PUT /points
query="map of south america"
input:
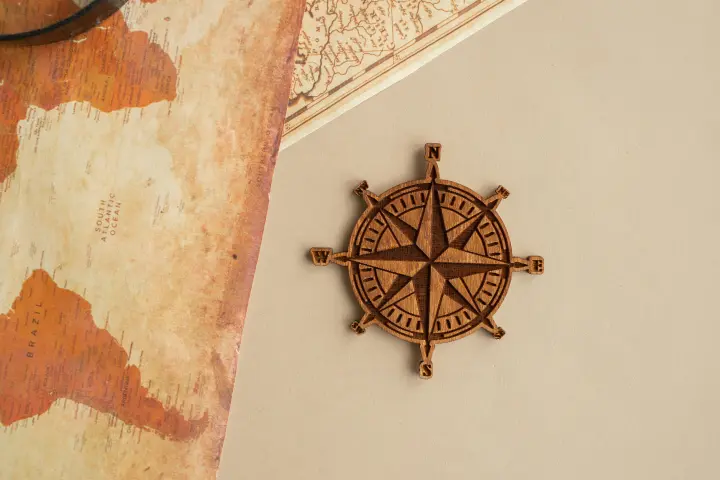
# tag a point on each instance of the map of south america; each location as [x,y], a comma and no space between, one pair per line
[51,348]
[136,161]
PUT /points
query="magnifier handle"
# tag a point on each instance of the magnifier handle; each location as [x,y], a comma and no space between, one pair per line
[81,21]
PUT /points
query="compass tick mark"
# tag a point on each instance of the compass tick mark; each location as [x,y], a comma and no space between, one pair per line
[426,261]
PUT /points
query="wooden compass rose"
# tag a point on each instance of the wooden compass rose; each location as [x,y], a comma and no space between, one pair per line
[429,261]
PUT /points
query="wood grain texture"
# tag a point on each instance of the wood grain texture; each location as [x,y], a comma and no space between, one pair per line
[430,261]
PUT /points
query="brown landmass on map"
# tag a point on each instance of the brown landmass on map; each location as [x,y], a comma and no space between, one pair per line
[110,67]
[51,348]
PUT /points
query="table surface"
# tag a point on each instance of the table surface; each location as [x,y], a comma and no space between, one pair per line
[602,120]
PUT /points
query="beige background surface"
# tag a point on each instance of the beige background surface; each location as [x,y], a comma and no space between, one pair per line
[602,119]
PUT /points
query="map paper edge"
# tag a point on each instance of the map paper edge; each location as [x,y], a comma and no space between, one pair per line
[376,86]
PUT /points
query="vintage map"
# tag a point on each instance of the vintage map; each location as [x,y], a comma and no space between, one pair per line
[349,50]
[135,168]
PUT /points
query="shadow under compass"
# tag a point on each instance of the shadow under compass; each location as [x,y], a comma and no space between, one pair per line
[358,207]
[420,164]
[346,229]
[413,358]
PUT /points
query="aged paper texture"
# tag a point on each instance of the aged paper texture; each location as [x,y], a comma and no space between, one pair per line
[135,168]
[350,50]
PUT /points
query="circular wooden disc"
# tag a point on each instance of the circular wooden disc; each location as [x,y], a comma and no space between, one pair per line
[431,261]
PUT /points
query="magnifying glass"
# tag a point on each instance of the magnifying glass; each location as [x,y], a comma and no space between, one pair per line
[36,22]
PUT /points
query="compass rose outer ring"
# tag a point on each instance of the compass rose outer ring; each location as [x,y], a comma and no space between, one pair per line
[370,309]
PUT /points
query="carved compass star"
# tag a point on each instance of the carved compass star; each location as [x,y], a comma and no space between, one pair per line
[430,261]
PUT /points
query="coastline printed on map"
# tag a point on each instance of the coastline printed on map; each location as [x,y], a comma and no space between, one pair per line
[135,168]
[349,51]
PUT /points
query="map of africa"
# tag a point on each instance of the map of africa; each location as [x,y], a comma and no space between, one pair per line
[135,168]
[349,50]
[106,60]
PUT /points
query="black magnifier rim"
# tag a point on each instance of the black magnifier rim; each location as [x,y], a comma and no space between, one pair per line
[81,21]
